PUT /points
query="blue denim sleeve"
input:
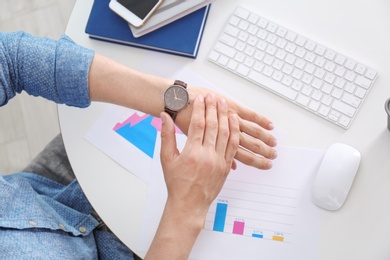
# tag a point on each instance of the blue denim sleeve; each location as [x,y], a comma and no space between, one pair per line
[55,70]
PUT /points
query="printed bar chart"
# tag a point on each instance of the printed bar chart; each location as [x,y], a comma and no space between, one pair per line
[256,211]
[220,217]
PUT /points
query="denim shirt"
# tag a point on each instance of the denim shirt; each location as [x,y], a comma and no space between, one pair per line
[40,218]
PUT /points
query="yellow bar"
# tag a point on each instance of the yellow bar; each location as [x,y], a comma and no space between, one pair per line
[278,238]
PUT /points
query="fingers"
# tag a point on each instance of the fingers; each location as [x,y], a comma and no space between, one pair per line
[234,141]
[251,116]
[197,124]
[257,146]
[168,138]
[223,127]
[252,159]
[212,125]
[254,130]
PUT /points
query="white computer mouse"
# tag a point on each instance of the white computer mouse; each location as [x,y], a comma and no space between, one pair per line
[335,176]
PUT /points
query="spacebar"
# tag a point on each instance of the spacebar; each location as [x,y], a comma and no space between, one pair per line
[272,85]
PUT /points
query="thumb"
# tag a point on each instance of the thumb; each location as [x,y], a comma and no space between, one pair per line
[168,138]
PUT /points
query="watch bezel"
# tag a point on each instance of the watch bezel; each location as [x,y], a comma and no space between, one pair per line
[166,98]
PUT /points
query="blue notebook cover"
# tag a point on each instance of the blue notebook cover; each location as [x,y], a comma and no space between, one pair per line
[181,37]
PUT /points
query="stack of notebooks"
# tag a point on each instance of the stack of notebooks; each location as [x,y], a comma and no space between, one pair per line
[180,37]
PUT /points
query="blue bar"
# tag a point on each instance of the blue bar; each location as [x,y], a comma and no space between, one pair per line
[257,235]
[220,217]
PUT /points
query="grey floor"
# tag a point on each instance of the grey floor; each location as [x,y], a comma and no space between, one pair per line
[28,123]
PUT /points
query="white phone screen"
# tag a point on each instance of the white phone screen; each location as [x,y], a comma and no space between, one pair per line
[140,8]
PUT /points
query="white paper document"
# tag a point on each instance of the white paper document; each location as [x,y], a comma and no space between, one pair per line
[257,215]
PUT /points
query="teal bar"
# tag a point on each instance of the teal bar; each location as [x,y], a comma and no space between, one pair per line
[220,217]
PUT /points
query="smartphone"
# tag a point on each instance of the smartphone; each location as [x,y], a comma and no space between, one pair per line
[135,12]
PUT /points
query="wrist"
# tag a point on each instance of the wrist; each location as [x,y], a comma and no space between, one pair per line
[187,214]
[170,242]
[184,116]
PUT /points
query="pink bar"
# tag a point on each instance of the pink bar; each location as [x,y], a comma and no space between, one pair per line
[238,227]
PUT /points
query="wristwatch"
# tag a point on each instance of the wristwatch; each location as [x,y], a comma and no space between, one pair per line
[176,98]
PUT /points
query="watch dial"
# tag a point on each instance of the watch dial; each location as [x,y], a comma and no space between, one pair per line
[176,98]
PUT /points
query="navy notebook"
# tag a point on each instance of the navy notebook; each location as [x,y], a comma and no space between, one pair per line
[181,37]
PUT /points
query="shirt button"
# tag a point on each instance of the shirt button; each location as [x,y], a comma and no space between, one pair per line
[32,223]
[82,229]
[61,226]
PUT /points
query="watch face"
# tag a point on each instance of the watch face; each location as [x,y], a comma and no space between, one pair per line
[176,98]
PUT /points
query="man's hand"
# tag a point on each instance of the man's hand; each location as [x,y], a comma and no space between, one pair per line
[256,142]
[208,155]
[195,176]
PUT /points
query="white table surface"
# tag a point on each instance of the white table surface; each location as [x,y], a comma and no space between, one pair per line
[359,29]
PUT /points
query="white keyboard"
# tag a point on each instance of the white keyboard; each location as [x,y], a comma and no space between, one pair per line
[300,70]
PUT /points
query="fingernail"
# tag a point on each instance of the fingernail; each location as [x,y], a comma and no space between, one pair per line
[162,116]
[271,126]
[275,155]
[269,165]
[274,143]
[201,98]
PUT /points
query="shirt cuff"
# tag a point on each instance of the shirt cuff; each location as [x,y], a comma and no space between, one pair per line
[72,68]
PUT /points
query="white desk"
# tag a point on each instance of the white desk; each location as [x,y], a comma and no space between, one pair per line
[359,29]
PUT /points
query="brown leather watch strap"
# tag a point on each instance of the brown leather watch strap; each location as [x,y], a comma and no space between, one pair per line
[180,83]
[173,114]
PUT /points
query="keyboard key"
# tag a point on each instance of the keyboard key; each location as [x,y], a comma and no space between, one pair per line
[214,55]
[340,59]
[360,69]
[243,70]
[351,100]
[291,36]
[324,110]
[253,18]
[360,93]
[329,54]
[224,49]
[350,64]
[242,13]
[262,23]
[234,20]
[229,40]
[232,65]
[343,108]
[344,121]
[320,50]
[310,45]
[334,115]
[363,82]
[223,60]
[371,74]
[231,30]
[303,100]
[314,105]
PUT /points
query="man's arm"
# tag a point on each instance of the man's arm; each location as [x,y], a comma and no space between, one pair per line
[67,73]
[112,82]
